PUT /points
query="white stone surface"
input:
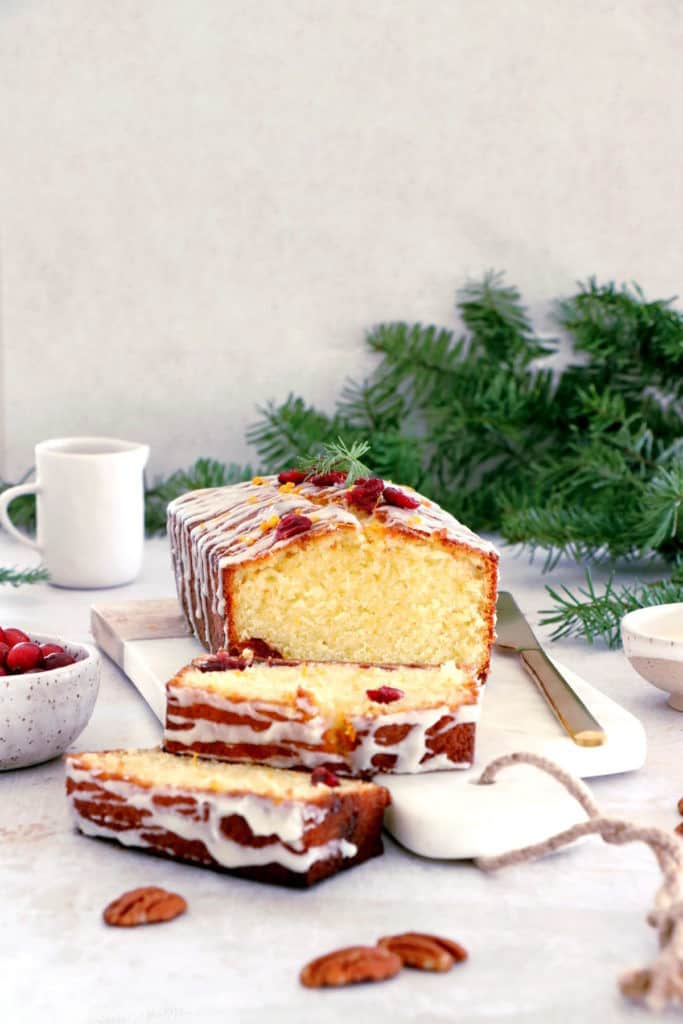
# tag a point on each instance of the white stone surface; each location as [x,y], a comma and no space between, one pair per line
[547,940]
[204,205]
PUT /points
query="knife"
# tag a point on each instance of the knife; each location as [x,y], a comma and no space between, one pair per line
[515,635]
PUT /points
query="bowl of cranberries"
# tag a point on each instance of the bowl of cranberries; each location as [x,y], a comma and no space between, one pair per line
[48,688]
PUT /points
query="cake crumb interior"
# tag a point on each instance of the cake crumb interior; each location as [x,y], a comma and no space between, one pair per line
[368,595]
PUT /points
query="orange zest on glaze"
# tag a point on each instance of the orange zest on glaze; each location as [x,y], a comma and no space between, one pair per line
[269,524]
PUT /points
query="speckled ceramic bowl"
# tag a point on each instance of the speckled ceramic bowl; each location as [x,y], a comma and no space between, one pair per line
[653,643]
[41,713]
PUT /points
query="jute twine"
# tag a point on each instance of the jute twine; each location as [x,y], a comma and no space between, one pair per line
[661,984]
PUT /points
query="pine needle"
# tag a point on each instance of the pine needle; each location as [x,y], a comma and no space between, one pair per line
[337,455]
[593,616]
[17,577]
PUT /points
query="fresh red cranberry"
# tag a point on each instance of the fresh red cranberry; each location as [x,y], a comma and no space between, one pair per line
[51,649]
[57,660]
[385,694]
[291,476]
[292,524]
[4,648]
[23,656]
[15,636]
[400,499]
[3,670]
[366,493]
[322,776]
[338,476]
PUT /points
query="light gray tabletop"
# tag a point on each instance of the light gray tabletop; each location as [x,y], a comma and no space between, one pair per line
[547,940]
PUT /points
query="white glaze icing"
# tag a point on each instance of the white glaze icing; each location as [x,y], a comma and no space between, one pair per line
[216,528]
[303,727]
[287,820]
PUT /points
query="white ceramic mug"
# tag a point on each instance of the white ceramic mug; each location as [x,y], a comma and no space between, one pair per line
[90,510]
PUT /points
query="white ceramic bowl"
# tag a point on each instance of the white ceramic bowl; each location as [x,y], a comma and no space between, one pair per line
[41,713]
[653,643]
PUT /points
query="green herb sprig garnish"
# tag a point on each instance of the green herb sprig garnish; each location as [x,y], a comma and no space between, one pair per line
[337,456]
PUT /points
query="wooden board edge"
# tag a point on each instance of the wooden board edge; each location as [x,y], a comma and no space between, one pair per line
[152,619]
[106,638]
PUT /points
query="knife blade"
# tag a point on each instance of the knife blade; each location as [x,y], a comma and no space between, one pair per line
[515,635]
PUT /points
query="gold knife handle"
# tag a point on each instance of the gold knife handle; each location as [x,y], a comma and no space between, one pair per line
[567,705]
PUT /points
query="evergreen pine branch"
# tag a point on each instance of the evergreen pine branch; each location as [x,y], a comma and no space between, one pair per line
[23,509]
[23,516]
[398,456]
[372,405]
[660,522]
[633,344]
[284,432]
[17,577]
[594,615]
[580,532]
[498,321]
[417,360]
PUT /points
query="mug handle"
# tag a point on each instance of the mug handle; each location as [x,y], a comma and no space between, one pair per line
[6,498]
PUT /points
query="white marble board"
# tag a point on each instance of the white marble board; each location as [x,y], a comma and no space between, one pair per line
[445,814]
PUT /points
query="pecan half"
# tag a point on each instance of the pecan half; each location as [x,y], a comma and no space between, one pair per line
[148,905]
[349,966]
[425,952]
[680,806]
[679,830]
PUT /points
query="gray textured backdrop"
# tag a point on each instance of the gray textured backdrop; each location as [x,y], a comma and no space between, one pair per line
[203,203]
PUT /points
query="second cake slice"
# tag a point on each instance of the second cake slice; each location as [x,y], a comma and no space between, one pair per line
[352,718]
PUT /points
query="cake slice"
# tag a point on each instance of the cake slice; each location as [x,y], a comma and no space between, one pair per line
[258,822]
[354,719]
[312,569]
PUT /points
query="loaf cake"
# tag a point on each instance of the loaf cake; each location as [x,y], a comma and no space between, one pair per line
[310,569]
[353,719]
[258,822]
